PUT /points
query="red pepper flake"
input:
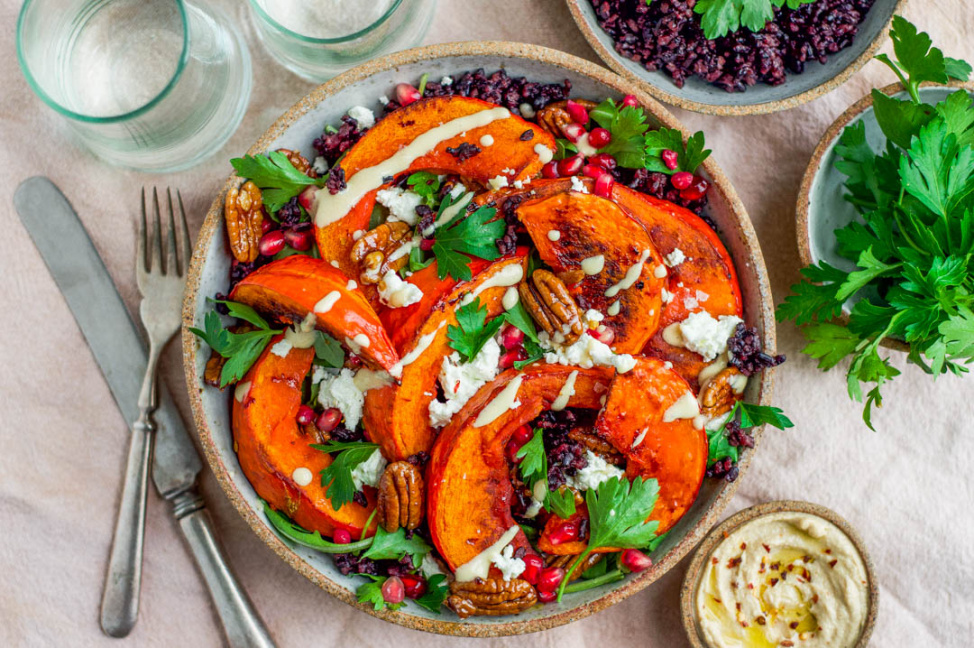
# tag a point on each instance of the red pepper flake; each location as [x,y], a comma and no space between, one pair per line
[814,598]
[733,562]
[774,581]
[833,563]
[784,575]
[743,546]
[787,643]
[806,559]
[761,620]
[776,566]
[793,625]
[807,575]
[738,607]
[791,568]
[766,548]
[744,624]
[828,551]
[714,560]
[750,586]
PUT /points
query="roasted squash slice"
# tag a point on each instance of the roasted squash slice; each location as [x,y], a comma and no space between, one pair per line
[271,447]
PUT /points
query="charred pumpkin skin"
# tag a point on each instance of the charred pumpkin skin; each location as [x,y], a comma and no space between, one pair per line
[290,288]
[469,490]
[270,446]
[400,128]
[397,416]
[588,226]
[673,453]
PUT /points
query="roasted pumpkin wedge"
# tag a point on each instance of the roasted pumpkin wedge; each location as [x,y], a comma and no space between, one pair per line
[397,416]
[295,286]
[511,154]
[648,417]
[271,446]
[606,257]
[469,489]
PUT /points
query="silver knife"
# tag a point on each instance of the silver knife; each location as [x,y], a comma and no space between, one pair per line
[119,349]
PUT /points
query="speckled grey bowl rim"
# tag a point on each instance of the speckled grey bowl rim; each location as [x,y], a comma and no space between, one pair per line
[803,217]
[720,532]
[612,59]
[490,50]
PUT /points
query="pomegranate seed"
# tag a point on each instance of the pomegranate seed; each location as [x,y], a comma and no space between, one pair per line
[570,166]
[603,185]
[300,239]
[682,180]
[271,243]
[593,171]
[603,334]
[573,131]
[305,415]
[266,225]
[427,244]
[309,199]
[342,536]
[352,361]
[599,137]
[696,190]
[670,159]
[393,590]
[630,100]
[533,564]
[406,94]
[550,578]
[547,597]
[603,160]
[635,561]
[577,112]
[329,419]
[550,170]
[512,337]
[511,450]
[523,434]
[567,531]
[415,586]
[508,359]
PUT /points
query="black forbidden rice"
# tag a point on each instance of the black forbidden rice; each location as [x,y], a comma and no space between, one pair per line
[666,35]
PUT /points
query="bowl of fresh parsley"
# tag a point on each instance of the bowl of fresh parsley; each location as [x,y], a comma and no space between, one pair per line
[735,57]
[886,226]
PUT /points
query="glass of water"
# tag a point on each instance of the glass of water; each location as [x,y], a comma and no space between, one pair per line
[154,85]
[317,39]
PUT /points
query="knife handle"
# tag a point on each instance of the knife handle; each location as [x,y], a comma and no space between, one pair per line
[241,623]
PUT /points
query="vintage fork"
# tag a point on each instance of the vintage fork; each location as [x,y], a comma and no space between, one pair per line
[161,286]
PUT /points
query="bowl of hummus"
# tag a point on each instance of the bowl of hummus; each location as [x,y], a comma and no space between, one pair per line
[785,573]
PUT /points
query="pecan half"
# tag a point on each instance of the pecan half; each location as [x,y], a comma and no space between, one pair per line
[491,597]
[554,117]
[299,162]
[597,445]
[718,396]
[373,251]
[400,497]
[214,367]
[243,210]
[566,561]
[547,299]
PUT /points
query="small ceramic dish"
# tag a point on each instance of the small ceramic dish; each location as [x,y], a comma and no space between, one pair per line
[700,96]
[822,207]
[295,130]
[692,579]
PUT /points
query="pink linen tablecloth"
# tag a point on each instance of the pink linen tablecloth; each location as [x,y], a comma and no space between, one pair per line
[908,488]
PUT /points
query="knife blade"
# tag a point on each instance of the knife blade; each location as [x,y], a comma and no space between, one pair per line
[120,352]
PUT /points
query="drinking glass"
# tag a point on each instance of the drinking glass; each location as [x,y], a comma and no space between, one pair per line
[154,85]
[300,46]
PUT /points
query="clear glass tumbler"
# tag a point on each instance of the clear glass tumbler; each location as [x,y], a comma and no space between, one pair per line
[298,33]
[154,85]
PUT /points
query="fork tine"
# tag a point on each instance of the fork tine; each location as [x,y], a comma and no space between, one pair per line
[155,264]
[141,245]
[171,263]
[187,246]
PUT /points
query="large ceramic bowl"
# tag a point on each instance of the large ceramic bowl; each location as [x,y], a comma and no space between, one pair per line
[701,96]
[296,129]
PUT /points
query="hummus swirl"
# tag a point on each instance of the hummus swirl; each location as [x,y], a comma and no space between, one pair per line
[784,579]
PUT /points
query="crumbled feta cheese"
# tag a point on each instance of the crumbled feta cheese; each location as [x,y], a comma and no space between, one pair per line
[363,116]
[498,182]
[596,471]
[457,191]
[384,100]
[401,204]
[282,348]
[430,567]
[690,303]
[369,471]
[339,390]
[702,296]
[708,336]
[586,352]
[509,566]
[320,165]
[446,81]
[675,258]
[578,185]
[666,296]
[593,318]
[396,293]
[461,380]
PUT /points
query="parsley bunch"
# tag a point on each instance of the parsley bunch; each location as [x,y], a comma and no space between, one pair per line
[720,17]
[240,349]
[337,477]
[743,415]
[472,234]
[534,469]
[913,244]
[277,178]
[473,331]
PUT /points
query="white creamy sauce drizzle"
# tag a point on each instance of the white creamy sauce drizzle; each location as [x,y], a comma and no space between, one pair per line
[479,565]
[510,298]
[738,382]
[404,249]
[711,370]
[613,309]
[593,265]
[241,391]
[673,336]
[554,235]
[567,391]
[686,407]
[351,285]
[631,277]
[302,476]
[487,140]
[449,213]
[504,401]
[327,302]
[584,147]
[362,340]
[366,379]
[332,207]
[545,154]
[660,271]
[509,275]
[421,345]
[302,336]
